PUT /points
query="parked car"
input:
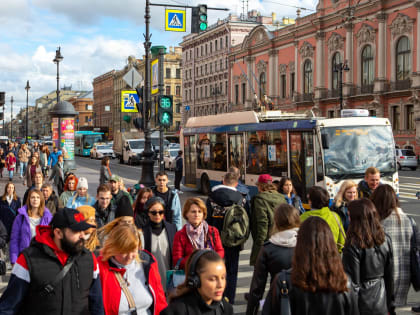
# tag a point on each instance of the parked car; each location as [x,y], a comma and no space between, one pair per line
[406,158]
[169,158]
[100,150]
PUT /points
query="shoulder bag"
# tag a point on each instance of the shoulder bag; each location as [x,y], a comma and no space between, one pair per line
[127,293]
[414,257]
[49,287]
[174,277]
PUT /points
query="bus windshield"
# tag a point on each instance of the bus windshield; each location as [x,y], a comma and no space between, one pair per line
[349,151]
[89,140]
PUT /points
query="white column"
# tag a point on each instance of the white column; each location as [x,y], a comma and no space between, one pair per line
[416,77]
[320,43]
[273,68]
[349,57]
[250,69]
[297,70]
[381,49]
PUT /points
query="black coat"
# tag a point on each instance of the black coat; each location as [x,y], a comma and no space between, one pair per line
[8,213]
[271,259]
[193,304]
[371,270]
[170,231]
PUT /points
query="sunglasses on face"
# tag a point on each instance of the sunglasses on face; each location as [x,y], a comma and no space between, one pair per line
[157,212]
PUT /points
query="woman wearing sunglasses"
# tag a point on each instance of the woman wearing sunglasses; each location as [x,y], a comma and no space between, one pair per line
[159,236]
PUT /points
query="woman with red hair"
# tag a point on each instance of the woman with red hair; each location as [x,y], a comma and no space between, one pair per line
[70,186]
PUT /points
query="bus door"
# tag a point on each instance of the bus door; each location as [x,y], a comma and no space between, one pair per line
[236,153]
[301,155]
[189,160]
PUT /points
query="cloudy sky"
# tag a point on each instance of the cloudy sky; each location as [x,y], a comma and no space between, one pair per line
[95,36]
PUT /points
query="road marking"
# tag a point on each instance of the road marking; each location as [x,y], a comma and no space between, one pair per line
[408,177]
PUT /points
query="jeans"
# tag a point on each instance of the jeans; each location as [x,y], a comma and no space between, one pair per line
[232,262]
[11,174]
[178,179]
[23,166]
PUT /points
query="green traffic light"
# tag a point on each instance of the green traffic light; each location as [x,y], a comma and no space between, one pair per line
[203,26]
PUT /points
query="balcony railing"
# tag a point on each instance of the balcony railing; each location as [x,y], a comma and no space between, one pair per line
[305,97]
[360,90]
[400,85]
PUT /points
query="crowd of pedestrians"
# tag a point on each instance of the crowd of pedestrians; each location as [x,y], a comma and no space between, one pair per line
[73,253]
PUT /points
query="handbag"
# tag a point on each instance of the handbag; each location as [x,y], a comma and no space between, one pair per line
[414,258]
[174,277]
[277,301]
[2,267]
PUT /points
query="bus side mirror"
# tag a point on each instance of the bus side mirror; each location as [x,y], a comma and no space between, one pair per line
[324,140]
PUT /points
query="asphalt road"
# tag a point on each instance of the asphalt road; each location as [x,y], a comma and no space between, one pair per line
[409,185]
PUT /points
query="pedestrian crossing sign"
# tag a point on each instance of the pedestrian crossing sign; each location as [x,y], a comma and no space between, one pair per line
[175,20]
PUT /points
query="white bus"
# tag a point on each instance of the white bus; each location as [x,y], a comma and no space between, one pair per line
[311,151]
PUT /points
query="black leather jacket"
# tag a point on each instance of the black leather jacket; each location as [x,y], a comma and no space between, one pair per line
[271,259]
[371,270]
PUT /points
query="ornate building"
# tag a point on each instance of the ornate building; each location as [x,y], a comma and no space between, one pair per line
[374,46]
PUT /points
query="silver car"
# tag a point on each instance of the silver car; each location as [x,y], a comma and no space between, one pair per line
[406,158]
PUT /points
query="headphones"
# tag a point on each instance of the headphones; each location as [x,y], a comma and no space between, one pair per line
[193,279]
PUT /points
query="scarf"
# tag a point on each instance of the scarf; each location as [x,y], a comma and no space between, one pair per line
[197,236]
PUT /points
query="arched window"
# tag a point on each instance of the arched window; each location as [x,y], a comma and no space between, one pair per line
[367,66]
[262,85]
[307,77]
[336,60]
[403,59]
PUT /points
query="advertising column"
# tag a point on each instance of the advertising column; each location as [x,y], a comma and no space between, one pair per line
[54,128]
[67,138]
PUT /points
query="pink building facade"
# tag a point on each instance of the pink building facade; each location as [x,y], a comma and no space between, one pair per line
[378,41]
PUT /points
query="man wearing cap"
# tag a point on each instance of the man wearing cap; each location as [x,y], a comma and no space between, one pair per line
[55,274]
[224,196]
[117,193]
[262,213]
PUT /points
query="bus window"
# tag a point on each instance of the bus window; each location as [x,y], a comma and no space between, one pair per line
[203,152]
[211,152]
[277,153]
[257,152]
[236,152]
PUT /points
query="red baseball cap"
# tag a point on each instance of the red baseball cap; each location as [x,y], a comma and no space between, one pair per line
[265,178]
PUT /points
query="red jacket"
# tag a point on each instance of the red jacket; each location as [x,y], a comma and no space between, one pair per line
[111,290]
[182,247]
[10,161]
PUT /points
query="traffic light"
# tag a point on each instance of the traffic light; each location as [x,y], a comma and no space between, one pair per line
[165,110]
[139,121]
[199,19]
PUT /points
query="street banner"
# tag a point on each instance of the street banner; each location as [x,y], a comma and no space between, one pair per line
[54,129]
[128,101]
[175,20]
[155,76]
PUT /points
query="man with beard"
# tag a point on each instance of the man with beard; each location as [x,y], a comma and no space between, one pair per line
[55,274]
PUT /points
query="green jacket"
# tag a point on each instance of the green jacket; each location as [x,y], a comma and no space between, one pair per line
[262,218]
[333,220]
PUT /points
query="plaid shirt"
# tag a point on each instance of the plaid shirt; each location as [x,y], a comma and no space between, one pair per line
[400,234]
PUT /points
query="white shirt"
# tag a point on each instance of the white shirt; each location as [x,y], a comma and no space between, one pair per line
[33,224]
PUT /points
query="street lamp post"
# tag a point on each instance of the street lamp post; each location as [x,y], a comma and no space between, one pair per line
[57,59]
[27,87]
[340,67]
[11,117]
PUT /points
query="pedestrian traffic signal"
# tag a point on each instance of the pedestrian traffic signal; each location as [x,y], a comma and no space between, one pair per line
[199,19]
[165,110]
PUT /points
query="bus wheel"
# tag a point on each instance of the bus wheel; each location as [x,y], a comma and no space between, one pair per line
[205,185]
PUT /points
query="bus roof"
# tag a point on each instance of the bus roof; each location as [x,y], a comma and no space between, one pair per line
[86,132]
[353,121]
[239,118]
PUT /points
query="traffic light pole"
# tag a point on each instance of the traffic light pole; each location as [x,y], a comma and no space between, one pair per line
[161,66]
[147,178]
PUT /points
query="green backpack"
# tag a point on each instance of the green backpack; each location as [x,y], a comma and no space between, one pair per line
[235,226]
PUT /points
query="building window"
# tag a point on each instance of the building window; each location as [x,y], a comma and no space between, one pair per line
[201,70]
[201,92]
[395,117]
[215,66]
[226,87]
[221,64]
[168,72]
[283,85]
[211,47]
[307,77]
[226,64]
[292,83]
[367,66]
[236,94]
[177,90]
[205,66]
[205,89]
[86,107]
[409,110]
[211,67]
[262,85]
[336,60]
[330,114]
[178,73]
[372,113]
[215,45]
[403,59]
[190,74]
[178,124]
[243,90]
[227,41]
[221,44]
[178,108]
[168,90]
[86,119]
[201,51]
[196,93]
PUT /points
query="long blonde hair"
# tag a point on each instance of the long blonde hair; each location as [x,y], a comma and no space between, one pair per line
[339,198]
